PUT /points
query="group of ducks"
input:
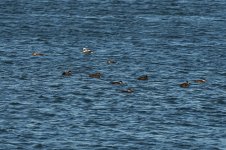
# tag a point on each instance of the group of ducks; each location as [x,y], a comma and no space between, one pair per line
[110,61]
[98,75]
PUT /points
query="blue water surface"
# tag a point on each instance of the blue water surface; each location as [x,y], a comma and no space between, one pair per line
[171,41]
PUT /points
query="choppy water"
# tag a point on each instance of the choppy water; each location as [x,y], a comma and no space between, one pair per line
[171,41]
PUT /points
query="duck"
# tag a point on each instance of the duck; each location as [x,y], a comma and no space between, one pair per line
[117,83]
[143,77]
[185,84]
[67,73]
[87,51]
[110,61]
[200,81]
[37,54]
[129,90]
[95,75]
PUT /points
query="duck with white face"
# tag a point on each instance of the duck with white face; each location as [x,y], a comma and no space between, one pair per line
[87,51]
[185,84]
[37,54]
[128,90]
[117,83]
[67,73]
[111,61]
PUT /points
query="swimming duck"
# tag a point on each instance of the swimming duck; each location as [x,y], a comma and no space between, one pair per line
[67,73]
[95,75]
[37,54]
[110,61]
[87,51]
[185,84]
[129,90]
[143,77]
[200,81]
[117,83]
